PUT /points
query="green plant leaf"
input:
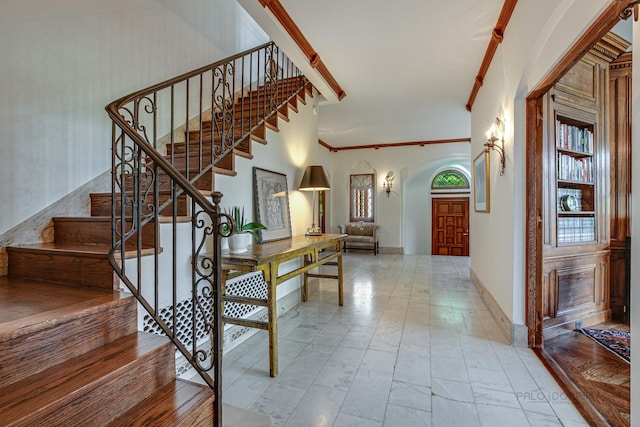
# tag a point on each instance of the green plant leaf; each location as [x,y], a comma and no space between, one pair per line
[241,225]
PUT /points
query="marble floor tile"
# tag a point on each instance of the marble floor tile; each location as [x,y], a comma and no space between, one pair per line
[346,420]
[368,395]
[410,396]
[413,345]
[413,366]
[451,413]
[378,360]
[278,401]
[319,407]
[448,368]
[401,416]
[491,416]
[487,396]
[452,390]
[337,374]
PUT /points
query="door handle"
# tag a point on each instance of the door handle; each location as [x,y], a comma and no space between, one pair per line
[465,234]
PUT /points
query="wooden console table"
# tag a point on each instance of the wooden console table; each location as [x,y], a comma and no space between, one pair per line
[267,258]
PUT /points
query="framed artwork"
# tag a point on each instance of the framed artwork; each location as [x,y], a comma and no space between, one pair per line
[481,182]
[272,204]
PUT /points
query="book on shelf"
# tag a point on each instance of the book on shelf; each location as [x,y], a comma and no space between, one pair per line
[576,230]
[574,138]
[575,168]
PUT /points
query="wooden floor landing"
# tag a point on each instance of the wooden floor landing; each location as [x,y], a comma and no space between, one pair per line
[596,379]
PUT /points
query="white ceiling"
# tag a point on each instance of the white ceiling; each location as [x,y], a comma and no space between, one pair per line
[407,66]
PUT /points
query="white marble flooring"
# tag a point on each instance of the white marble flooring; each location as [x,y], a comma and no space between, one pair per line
[413,345]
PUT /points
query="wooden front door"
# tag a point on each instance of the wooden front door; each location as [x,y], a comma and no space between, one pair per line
[450,226]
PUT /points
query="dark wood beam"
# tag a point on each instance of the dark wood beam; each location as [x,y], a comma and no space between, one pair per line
[393,144]
[496,38]
[298,37]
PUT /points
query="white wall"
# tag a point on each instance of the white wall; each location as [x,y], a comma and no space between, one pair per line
[287,151]
[537,36]
[404,216]
[64,61]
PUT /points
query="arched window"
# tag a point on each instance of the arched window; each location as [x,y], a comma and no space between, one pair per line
[449,179]
[362,197]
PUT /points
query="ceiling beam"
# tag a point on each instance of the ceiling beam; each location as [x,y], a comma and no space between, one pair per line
[392,144]
[496,38]
[281,14]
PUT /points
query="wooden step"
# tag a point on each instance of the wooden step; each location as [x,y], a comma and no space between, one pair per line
[256,109]
[250,115]
[79,265]
[281,93]
[195,138]
[96,230]
[101,204]
[286,85]
[43,325]
[94,388]
[205,182]
[196,148]
[226,163]
[179,403]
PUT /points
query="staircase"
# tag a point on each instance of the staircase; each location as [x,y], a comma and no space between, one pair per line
[70,349]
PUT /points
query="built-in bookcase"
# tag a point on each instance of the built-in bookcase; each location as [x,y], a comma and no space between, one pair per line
[575,181]
[576,186]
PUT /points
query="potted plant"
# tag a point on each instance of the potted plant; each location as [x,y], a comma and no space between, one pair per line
[239,240]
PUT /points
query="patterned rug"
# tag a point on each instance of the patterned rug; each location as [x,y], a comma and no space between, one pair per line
[617,342]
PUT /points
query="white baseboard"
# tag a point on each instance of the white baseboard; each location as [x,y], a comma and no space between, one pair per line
[516,333]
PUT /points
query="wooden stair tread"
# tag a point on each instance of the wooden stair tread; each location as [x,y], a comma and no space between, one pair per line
[175,404]
[83,250]
[42,396]
[88,250]
[24,302]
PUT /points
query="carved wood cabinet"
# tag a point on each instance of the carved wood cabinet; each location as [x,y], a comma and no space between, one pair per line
[577,185]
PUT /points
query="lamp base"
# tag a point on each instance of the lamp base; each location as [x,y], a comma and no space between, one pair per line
[313,231]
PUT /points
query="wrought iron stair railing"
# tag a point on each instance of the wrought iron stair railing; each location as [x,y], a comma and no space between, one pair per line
[167,141]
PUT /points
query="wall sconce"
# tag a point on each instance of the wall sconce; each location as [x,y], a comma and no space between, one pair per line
[388,182]
[496,134]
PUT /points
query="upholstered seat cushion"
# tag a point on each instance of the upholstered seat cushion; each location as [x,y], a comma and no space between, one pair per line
[363,239]
[361,233]
[361,230]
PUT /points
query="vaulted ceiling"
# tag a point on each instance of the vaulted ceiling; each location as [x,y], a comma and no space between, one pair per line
[407,67]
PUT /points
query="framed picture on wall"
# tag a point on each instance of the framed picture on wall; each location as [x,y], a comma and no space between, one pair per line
[272,204]
[481,182]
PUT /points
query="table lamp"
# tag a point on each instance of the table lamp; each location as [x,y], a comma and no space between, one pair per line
[314,179]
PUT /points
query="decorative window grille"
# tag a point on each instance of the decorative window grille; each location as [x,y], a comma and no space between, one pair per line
[361,197]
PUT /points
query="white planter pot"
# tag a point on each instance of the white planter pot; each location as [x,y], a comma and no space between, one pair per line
[239,242]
